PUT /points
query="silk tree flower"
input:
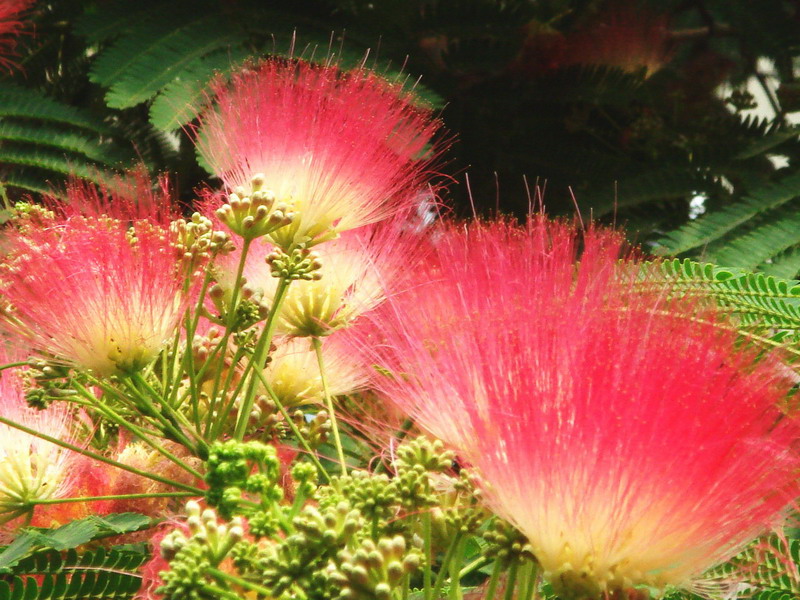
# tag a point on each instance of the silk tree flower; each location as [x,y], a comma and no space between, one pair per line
[94,294]
[357,270]
[625,435]
[129,197]
[10,27]
[294,375]
[333,150]
[473,272]
[31,469]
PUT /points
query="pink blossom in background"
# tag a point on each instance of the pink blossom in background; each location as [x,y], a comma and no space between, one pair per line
[31,468]
[340,149]
[11,25]
[128,197]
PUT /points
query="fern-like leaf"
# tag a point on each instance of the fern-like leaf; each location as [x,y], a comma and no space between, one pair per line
[184,97]
[150,56]
[714,225]
[29,104]
[762,304]
[95,575]
[760,244]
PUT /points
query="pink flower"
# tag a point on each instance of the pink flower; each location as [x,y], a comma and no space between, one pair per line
[623,434]
[337,150]
[94,293]
[358,270]
[10,27]
[127,197]
[32,469]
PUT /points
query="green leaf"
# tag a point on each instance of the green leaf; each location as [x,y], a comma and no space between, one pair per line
[150,56]
[184,97]
[65,140]
[714,225]
[71,535]
[30,104]
[769,141]
[762,243]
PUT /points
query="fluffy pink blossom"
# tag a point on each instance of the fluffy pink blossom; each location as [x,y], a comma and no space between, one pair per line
[95,294]
[127,197]
[622,433]
[339,150]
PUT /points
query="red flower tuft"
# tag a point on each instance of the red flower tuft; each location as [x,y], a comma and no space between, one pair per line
[10,27]
[340,149]
[622,433]
[129,197]
[94,294]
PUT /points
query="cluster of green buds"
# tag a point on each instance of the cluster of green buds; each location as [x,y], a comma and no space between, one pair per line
[192,556]
[506,543]
[300,561]
[357,538]
[45,382]
[27,214]
[416,463]
[196,240]
[300,263]
[254,214]
[250,309]
[374,570]
[216,538]
[235,470]
[315,430]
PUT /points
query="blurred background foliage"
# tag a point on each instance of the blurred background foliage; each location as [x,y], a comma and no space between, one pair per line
[672,118]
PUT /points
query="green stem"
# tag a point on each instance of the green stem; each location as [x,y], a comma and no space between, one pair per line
[120,420]
[440,577]
[427,535]
[169,424]
[329,404]
[511,581]
[231,321]
[218,592]
[260,358]
[116,497]
[528,582]
[217,427]
[493,581]
[151,413]
[191,320]
[290,422]
[23,363]
[455,571]
[476,564]
[101,458]
[227,577]
[176,416]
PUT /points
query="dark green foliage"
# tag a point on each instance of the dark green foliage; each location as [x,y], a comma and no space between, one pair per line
[67,537]
[44,564]
[98,574]
[43,140]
